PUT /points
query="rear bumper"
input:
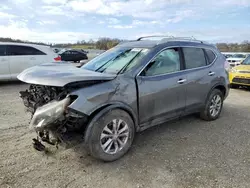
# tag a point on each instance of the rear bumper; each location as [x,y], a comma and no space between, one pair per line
[227,91]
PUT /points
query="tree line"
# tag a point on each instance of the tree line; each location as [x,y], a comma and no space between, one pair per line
[234,47]
[107,43]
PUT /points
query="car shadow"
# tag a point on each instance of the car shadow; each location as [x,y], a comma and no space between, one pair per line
[11,83]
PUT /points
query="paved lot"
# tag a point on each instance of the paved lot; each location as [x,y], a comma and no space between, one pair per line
[185,153]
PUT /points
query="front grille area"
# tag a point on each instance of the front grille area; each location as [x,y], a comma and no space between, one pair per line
[241,80]
[244,71]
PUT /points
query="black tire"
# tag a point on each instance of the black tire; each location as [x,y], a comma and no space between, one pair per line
[95,129]
[205,114]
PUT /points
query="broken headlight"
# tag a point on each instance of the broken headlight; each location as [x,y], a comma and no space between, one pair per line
[49,113]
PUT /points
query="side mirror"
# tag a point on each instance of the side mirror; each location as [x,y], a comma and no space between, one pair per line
[143,73]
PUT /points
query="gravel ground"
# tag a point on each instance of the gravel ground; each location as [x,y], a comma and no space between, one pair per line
[185,153]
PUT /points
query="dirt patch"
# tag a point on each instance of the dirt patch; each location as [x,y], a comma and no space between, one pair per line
[185,153]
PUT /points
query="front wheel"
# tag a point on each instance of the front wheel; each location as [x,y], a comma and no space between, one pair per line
[213,106]
[111,135]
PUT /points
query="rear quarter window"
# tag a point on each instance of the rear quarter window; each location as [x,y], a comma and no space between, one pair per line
[210,56]
[15,50]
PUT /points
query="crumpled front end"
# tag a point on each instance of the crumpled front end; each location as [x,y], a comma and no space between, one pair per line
[51,118]
[47,115]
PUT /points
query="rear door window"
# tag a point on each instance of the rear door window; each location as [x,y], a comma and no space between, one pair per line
[68,53]
[210,56]
[15,50]
[2,50]
[75,53]
[194,57]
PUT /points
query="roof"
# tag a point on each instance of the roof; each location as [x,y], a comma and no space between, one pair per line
[23,44]
[172,41]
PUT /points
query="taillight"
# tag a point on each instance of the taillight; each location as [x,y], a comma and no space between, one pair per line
[58,58]
[227,65]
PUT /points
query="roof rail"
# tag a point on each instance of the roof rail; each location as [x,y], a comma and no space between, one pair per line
[155,36]
[191,39]
[168,38]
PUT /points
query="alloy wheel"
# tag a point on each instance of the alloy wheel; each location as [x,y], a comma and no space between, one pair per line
[114,136]
[215,105]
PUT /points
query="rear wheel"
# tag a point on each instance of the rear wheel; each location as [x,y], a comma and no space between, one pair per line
[213,106]
[111,135]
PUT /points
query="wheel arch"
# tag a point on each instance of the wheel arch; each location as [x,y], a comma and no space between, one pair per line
[220,87]
[105,108]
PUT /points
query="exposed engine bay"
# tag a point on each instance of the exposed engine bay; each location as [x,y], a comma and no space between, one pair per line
[50,117]
[38,95]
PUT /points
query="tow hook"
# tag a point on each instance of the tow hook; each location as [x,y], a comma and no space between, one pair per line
[38,145]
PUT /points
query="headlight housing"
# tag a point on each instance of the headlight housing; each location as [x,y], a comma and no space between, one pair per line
[49,113]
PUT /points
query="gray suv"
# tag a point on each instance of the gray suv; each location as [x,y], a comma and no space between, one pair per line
[127,89]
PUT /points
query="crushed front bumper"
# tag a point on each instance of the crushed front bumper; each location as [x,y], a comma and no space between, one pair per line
[55,124]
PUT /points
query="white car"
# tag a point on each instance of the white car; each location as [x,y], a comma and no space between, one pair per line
[237,59]
[16,57]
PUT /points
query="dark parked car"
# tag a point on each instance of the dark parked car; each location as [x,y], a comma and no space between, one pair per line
[127,89]
[74,55]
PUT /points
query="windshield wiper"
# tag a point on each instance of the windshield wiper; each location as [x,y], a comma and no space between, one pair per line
[97,70]
[123,69]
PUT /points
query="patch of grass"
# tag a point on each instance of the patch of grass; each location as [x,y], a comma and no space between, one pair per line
[83,46]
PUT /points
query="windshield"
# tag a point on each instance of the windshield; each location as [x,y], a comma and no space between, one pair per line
[246,61]
[239,56]
[228,55]
[116,60]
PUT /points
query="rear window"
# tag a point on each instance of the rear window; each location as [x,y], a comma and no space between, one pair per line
[2,50]
[194,57]
[210,56]
[23,50]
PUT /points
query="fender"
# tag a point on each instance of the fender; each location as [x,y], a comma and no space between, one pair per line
[214,86]
[120,105]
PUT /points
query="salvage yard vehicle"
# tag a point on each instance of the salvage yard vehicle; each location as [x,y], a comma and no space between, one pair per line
[16,57]
[240,75]
[127,89]
[237,59]
[74,55]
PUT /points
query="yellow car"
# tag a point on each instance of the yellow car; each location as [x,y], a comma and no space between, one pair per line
[240,75]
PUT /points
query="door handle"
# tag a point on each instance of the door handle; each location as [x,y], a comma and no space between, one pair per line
[3,59]
[32,58]
[211,73]
[181,81]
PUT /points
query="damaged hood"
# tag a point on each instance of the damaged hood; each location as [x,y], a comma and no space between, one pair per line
[60,75]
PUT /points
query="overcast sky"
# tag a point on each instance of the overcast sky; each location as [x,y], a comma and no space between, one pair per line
[72,20]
